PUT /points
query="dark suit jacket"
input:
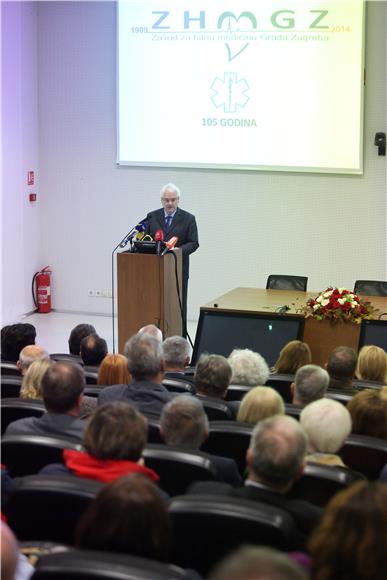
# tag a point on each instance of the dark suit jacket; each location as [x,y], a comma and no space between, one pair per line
[49,424]
[149,398]
[183,225]
[306,515]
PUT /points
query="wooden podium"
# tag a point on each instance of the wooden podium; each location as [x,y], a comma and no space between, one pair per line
[147,294]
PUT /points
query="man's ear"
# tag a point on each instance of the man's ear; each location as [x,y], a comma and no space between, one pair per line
[292,388]
[300,472]
[19,366]
[187,361]
[162,366]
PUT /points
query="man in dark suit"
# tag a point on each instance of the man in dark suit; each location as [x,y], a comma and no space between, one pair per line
[341,368]
[146,365]
[176,358]
[174,221]
[183,423]
[275,460]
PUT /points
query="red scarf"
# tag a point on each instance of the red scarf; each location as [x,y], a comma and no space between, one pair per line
[104,470]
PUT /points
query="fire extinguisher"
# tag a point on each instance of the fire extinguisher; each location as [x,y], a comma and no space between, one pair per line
[41,290]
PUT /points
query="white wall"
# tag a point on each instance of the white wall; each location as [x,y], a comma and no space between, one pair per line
[21,243]
[331,228]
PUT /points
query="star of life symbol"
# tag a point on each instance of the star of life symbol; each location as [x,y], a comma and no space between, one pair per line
[230,92]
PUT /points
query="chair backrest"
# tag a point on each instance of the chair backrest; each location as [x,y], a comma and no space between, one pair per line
[91,375]
[178,386]
[65,356]
[93,390]
[229,439]
[10,386]
[365,454]
[286,282]
[207,527]
[89,565]
[47,507]
[177,467]
[28,454]
[237,392]
[361,384]
[154,430]
[13,409]
[292,411]
[9,368]
[339,396]
[281,383]
[215,409]
[319,483]
[371,287]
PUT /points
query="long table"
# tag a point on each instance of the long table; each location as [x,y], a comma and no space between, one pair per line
[322,336]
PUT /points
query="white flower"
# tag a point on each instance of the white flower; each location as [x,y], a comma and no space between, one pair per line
[319,299]
[327,294]
[341,290]
[324,302]
[340,300]
[316,306]
[353,304]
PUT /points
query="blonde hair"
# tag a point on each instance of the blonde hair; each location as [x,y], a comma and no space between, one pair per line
[113,370]
[372,364]
[32,381]
[260,403]
[295,354]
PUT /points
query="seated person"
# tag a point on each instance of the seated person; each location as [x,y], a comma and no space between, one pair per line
[372,364]
[341,368]
[310,384]
[93,350]
[113,370]
[28,355]
[183,423]
[248,368]
[368,411]
[114,439]
[77,334]
[294,355]
[260,403]
[31,387]
[176,358]
[327,424]
[14,338]
[128,516]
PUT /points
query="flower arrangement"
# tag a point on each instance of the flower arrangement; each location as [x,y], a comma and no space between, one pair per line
[338,304]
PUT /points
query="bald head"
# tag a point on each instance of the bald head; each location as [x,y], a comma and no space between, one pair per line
[152,330]
[28,355]
[9,553]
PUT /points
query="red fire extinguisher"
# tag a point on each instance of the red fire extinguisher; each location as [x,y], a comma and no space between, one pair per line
[41,290]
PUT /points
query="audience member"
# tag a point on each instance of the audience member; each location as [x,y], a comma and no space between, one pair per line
[113,370]
[368,410]
[183,423]
[176,357]
[294,355]
[77,334]
[127,516]
[114,439]
[372,364]
[260,403]
[212,376]
[248,368]
[327,424]
[93,350]
[258,563]
[14,338]
[62,385]
[275,460]
[341,368]
[351,541]
[310,384]
[146,365]
[28,355]
[31,387]
[152,330]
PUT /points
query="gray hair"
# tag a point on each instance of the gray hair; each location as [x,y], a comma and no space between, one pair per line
[144,354]
[327,424]
[170,187]
[176,351]
[31,353]
[248,368]
[152,330]
[183,422]
[311,383]
[278,447]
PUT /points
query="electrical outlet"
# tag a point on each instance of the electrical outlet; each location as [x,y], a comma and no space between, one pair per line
[91,293]
[98,293]
[105,293]
[110,294]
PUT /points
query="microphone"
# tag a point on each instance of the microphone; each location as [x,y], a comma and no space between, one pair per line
[170,244]
[140,227]
[159,237]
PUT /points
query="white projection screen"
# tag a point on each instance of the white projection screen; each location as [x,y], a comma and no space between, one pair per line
[252,85]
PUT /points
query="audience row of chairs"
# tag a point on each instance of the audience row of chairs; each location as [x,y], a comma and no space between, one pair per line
[288,282]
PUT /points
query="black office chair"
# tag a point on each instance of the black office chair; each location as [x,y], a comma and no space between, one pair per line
[93,390]
[13,409]
[286,282]
[178,386]
[48,507]
[10,386]
[365,454]
[28,454]
[215,409]
[64,356]
[229,439]
[339,396]
[361,384]
[91,375]
[207,527]
[9,368]
[154,430]
[319,483]
[371,287]
[237,392]
[89,565]
[177,467]
[281,383]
